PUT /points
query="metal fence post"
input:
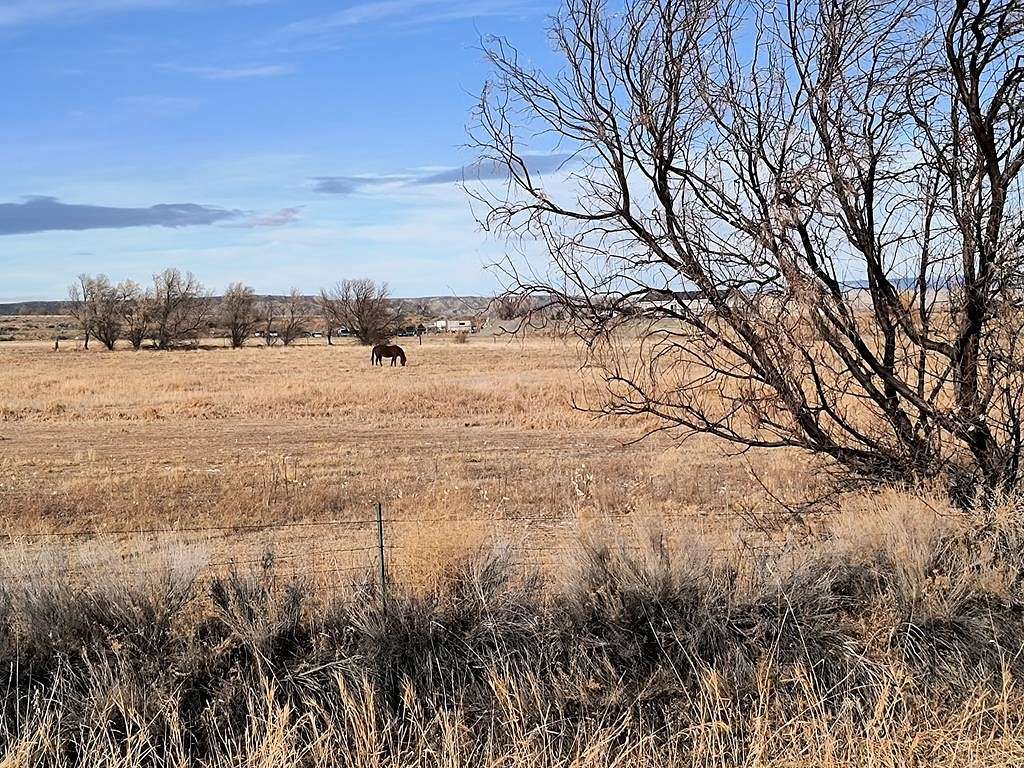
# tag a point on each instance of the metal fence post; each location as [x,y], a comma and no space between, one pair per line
[380,551]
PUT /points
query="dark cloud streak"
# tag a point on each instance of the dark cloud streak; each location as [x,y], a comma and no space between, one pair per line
[48,214]
[482,170]
[347,185]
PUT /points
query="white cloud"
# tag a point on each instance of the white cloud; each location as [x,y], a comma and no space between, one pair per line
[157,107]
[274,219]
[15,13]
[325,29]
[235,73]
[22,12]
[421,238]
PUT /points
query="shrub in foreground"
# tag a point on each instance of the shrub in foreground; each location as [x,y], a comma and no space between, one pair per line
[642,658]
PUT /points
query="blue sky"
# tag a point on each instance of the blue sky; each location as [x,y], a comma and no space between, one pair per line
[279,142]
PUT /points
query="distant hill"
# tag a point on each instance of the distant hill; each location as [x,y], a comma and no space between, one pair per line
[33,308]
[445,307]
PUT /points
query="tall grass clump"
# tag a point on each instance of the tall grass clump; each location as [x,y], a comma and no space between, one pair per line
[893,645]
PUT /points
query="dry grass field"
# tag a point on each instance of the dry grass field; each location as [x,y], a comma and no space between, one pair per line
[468,442]
[34,327]
[560,595]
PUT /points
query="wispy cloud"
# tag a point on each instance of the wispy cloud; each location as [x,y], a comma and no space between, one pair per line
[276,219]
[22,12]
[326,28]
[157,107]
[234,73]
[480,170]
[346,185]
[15,13]
[47,214]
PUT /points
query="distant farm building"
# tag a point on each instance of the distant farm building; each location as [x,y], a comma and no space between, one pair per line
[661,302]
[456,326]
[654,301]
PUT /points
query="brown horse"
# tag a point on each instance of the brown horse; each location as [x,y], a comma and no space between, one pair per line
[379,352]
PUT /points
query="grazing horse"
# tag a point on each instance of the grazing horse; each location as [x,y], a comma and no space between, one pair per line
[379,352]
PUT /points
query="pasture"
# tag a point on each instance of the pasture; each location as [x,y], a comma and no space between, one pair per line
[468,442]
[189,561]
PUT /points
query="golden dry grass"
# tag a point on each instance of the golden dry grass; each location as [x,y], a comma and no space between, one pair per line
[469,441]
[340,718]
[114,467]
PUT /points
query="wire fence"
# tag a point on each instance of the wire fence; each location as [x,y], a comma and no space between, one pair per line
[354,550]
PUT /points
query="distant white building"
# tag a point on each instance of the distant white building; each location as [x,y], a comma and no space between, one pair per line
[655,301]
[455,326]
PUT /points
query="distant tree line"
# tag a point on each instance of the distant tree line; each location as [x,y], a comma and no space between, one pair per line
[176,310]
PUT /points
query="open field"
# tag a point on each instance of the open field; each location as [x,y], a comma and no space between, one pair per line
[469,442]
[33,327]
[560,595]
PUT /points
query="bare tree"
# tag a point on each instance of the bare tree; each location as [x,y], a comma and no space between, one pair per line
[364,308]
[326,309]
[807,214]
[293,317]
[181,308]
[509,306]
[108,302]
[136,313]
[81,306]
[96,304]
[238,313]
[267,311]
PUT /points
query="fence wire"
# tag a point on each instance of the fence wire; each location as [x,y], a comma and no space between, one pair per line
[334,549]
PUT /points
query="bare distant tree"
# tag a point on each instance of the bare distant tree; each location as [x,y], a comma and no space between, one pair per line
[81,306]
[323,304]
[136,313]
[509,306]
[809,211]
[238,313]
[96,304]
[181,308]
[293,317]
[267,311]
[364,308]
[108,303]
